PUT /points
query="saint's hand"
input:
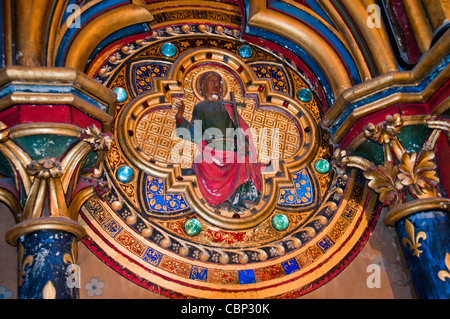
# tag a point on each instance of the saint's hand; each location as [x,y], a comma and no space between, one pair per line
[180,106]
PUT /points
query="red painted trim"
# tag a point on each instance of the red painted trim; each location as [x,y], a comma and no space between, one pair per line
[442,157]
[19,114]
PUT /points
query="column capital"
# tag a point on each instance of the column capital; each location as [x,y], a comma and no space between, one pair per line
[45,223]
[53,120]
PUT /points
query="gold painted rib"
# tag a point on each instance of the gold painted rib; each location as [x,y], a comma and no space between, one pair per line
[418,205]
[419,24]
[393,79]
[348,39]
[376,38]
[95,31]
[307,39]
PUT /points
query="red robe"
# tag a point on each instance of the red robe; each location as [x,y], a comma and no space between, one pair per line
[218,181]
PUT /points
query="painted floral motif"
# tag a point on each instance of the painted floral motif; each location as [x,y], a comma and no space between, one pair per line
[414,239]
[301,194]
[5,293]
[144,73]
[274,73]
[94,287]
[159,201]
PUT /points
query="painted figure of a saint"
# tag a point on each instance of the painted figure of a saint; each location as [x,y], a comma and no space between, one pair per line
[227,173]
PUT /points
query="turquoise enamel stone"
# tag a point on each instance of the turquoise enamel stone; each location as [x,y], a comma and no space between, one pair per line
[280,222]
[322,166]
[125,174]
[245,51]
[304,95]
[192,227]
[121,94]
[168,50]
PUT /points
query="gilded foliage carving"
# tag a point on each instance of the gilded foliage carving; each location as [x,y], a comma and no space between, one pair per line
[401,171]
[383,180]
[419,171]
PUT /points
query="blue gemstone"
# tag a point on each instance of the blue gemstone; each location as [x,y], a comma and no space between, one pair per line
[245,51]
[168,50]
[304,95]
[121,94]
[125,174]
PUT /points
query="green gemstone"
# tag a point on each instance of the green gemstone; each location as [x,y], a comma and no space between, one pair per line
[192,227]
[322,166]
[280,222]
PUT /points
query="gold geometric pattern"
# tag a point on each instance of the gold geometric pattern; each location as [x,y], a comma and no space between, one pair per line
[154,135]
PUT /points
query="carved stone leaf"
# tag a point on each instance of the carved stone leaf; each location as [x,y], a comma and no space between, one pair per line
[383,180]
[419,171]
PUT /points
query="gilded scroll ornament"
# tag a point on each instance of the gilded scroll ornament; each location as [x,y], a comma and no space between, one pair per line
[413,240]
[386,131]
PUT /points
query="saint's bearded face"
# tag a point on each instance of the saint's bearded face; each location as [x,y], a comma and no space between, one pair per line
[212,87]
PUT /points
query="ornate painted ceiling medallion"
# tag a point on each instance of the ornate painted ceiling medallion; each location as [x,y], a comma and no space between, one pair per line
[305,225]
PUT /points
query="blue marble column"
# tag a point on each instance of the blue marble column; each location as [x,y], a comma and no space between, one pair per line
[47,265]
[425,241]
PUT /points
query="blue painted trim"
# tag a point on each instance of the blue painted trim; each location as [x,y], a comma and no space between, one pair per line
[84,17]
[403,89]
[51,89]
[318,9]
[325,32]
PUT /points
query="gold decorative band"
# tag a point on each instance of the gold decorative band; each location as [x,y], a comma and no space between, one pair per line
[45,223]
[416,206]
